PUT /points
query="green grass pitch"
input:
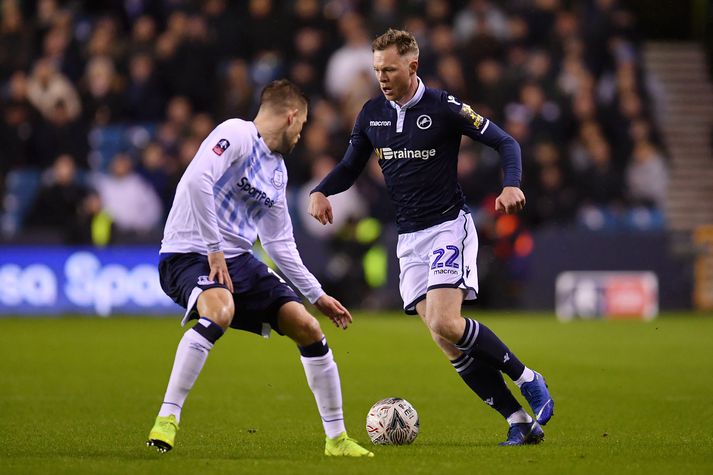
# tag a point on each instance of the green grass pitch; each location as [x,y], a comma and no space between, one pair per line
[79,395]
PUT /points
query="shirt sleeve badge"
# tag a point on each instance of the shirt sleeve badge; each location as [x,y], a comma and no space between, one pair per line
[221,147]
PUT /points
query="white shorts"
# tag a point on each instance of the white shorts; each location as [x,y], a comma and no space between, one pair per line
[443,255]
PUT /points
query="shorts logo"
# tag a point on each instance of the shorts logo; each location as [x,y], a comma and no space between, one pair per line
[379,123]
[278,179]
[204,280]
[387,153]
[453,100]
[423,122]
[221,147]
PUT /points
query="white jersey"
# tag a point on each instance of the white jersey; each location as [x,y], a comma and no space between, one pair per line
[233,192]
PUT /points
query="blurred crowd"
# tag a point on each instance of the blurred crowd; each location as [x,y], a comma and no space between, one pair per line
[564,78]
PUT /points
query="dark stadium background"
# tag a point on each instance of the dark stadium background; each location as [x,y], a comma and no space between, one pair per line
[104,103]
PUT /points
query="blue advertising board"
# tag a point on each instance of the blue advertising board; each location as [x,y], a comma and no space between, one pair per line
[62,280]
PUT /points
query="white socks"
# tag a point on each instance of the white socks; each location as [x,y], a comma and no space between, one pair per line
[190,356]
[519,416]
[321,371]
[526,376]
[323,379]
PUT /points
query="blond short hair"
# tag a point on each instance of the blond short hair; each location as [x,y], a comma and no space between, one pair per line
[403,40]
[282,94]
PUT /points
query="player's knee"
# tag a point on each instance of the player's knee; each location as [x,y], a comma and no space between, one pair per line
[309,330]
[217,306]
[301,327]
[446,328]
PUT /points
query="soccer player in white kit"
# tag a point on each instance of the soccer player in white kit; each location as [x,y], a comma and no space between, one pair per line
[415,132]
[233,192]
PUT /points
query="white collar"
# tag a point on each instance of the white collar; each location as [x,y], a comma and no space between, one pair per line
[414,100]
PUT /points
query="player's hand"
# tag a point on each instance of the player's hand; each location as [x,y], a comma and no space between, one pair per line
[320,208]
[336,312]
[219,269]
[510,201]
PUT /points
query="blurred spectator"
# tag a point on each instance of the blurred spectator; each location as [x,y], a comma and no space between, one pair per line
[178,114]
[101,99]
[105,40]
[308,60]
[384,14]
[18,126]
[201,126]
[353,58]
[264,28]
[154,170]
[438,12]
[143,35]
[197,77]
[490,91]
[480,17]
[130,201]
[236,95]
[224,28]
[143,98]
[59,134]
[59,198]
[647,176]
[601,183]
[46,87]
[553,201]
[541,19]
[15,41]
[59,48]
[451,70]
[92,224]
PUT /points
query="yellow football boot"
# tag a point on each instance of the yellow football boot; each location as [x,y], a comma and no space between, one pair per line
[343,446]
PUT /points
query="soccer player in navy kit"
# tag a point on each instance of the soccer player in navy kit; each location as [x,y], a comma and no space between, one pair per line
[415,132]
[232,192]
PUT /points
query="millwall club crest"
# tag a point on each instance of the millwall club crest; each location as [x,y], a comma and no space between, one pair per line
[221,147]
[424,122]
[278,179]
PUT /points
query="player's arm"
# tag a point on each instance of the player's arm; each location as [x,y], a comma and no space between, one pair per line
[277,238]
[481,129]
[343,176]
[209,164]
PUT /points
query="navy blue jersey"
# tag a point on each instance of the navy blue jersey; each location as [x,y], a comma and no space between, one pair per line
[417,148]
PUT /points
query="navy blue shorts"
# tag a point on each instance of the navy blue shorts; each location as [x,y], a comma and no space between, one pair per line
[258,292]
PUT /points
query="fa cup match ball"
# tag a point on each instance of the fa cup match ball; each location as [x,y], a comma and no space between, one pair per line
[392,421]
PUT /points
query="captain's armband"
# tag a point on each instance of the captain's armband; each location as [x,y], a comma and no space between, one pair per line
[472,117]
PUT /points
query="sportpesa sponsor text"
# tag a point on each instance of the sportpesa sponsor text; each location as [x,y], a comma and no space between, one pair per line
[387,153]
[254,192]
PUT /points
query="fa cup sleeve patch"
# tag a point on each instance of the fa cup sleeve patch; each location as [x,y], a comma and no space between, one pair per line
[221,147]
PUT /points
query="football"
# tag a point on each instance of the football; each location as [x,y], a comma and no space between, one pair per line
[392,421]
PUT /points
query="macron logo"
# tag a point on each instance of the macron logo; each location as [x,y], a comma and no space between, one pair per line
[387,153]
[379,123]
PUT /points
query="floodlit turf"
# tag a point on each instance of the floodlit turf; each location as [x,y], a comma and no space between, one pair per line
[79,395]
